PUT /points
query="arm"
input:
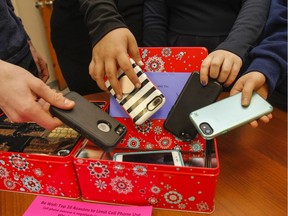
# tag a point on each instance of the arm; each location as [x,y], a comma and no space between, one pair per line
[268,59]
[226,61]
[25,98]
[112,43]
[155,23]
[41,64]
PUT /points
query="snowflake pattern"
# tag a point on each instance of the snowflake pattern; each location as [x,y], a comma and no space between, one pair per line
[18,162]
[164,142]
[153,200]
[101,185]
[145,127]
[133,143]
[51,190]
[121,185]
[181,206]
[173,197]
[166,52]
[3,172]
[38,172]
[9,184]
[149,146]
[158,130]
[118,168]
[140,170]
[31,184]
[155,64]
[155,189]
[202,206]
[98,170]
[196,147]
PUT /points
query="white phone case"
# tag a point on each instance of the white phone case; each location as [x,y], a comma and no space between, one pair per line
[140,104]
[227,114]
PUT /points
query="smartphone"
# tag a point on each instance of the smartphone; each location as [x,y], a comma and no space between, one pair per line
[140,104]
[193,96]
[227,114]
[164,157]
[91,122]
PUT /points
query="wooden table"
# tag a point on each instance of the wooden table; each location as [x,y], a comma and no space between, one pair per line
[252,180]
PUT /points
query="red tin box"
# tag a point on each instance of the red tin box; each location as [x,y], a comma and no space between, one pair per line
[38,161]
[188,188]
[172,59]
[45,171]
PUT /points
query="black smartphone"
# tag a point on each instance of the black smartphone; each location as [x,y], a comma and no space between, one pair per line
[193,96]
[91,122]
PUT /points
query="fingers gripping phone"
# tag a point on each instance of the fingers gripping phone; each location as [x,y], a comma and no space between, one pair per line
[193,96]
[227,114]
[91,122]
[164,157]
[140,104]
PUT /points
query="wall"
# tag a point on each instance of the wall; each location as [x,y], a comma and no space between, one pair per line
[32,20]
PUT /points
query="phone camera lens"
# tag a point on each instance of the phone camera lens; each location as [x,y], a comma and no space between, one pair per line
[154,103]
[103,126]
[206,128]
[120,129]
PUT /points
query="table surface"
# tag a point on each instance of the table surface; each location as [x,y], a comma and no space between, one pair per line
[252,180]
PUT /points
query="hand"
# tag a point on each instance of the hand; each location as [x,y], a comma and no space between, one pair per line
[41,64]
[25,98]
[221,65]
[111,52]
[253,81]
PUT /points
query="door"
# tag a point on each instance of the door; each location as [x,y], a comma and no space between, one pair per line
[46,7]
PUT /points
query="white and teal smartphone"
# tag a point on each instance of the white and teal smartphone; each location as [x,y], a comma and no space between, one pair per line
[227,114]
[164,157]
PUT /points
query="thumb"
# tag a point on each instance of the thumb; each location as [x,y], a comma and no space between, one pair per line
[51,96]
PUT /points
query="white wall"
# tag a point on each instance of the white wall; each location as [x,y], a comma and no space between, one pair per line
[32,20]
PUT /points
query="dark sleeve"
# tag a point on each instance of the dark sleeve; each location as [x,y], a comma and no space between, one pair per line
[132,13]
[247,28]
[155,25]
[9,3]
[270,55]
[101,17]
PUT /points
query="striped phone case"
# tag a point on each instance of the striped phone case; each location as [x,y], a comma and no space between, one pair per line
[140,104]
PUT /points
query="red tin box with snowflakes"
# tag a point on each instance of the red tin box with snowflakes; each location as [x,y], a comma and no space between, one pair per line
[38,161]
[172,59]
[190,187]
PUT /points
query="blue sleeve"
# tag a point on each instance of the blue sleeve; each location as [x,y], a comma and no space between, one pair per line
[155,15]
[270,55]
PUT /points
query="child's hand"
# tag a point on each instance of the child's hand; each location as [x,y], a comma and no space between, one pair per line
[252,81]
[221,65]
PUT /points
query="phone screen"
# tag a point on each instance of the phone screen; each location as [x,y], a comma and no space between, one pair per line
[159,158]
[164,157]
